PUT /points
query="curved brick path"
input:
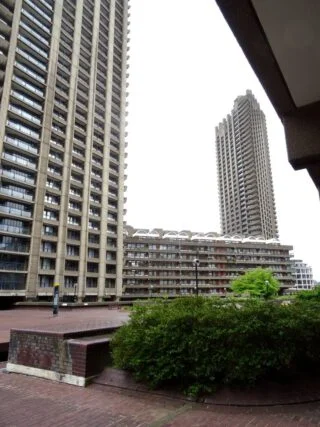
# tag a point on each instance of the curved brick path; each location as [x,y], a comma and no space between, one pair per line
[27,401]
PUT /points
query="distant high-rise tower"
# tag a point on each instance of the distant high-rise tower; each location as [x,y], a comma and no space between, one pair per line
[247,203]
[62,117]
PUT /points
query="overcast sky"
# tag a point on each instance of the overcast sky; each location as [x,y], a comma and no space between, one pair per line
[186,69]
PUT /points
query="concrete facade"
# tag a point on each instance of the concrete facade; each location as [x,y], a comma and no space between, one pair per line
[303,275]
[161,262]
[63,69]
[247,205]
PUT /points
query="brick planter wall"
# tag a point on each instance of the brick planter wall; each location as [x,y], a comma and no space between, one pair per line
[72,356]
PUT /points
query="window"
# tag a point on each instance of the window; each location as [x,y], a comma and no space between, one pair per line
[49,230]
[46,281]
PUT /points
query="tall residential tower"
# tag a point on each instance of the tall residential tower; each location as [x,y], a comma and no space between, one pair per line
[247,205]
[62,117]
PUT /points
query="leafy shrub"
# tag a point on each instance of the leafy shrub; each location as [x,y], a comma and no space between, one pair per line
[199,343]
[259,282]
[314,294]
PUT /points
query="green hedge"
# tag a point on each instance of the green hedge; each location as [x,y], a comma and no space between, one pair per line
[199,343]
[313,294]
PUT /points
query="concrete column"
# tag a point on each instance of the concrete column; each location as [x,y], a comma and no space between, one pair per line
[119,270]
[34,259]
[63,219]
[9,70]
[106,158]
[88,158]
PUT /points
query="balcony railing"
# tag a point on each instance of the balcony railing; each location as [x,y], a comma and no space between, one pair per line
[20,160]
[36,21]
[15,211]
[34,33]
[46,4]
[14,193]
[25,115]
[29,72]
[14,248]
[21,144]
[11,286]
[26,100]
[23,129]
[37,9]
[13,229]
[16,176]
[13,266]
[31,59]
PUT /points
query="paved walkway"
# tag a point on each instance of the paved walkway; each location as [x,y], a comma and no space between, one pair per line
[42,317]
[33,402]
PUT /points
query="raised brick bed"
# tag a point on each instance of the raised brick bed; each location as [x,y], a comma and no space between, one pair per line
[71,355]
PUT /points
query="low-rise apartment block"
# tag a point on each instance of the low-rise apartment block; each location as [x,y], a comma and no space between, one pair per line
[159,262]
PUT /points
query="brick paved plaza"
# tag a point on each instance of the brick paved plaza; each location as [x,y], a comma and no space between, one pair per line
[80,317]
[27,401]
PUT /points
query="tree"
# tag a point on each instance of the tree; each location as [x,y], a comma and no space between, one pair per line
[257,283]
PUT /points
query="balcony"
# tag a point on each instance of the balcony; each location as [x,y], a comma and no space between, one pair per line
[55,171]
[64,68]
[25,115]
[28,86]
[36,21]
[20,144]
[13,266]
[25,130]
[15,211]
[38,10]
[26,100]
[55,157]
[29,72]
[57,144]
[17,159]
[47,5]
[57,129]
[34,33]
[14,248]
[16,176]
[16,194]
[14,230]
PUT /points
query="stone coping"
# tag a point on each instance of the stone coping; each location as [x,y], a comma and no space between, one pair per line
[62,305]
[68,331]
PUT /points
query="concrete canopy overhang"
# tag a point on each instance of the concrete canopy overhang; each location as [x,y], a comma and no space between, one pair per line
[280,39]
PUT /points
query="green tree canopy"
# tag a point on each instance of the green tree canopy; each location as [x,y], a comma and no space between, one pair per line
[257,283]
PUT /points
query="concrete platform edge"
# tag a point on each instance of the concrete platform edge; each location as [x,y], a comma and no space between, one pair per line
[49,375]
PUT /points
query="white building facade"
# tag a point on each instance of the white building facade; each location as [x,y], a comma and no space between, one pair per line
[303,275]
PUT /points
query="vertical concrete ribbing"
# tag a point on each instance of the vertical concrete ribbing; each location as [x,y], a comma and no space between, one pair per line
[106,157]
[63,218]
[119,268]
[32,281]
[9,70]
[88,158]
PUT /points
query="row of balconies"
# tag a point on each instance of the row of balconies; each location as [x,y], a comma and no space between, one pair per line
[210,258]
[183,274]
[209,250]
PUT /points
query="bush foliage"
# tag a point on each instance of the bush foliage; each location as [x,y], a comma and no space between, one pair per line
[259,282]
[199,343]
[314,294]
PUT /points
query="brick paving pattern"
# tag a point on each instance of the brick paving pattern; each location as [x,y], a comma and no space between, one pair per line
[33,402]
[87,317]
